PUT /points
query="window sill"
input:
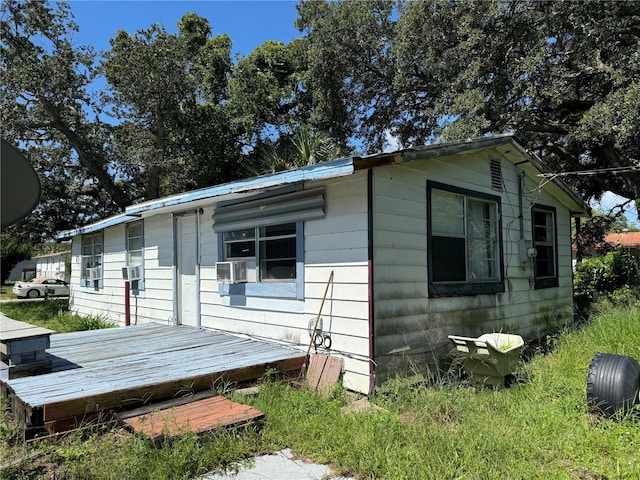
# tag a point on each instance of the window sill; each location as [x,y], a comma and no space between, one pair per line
[267,290]
[464,289]
[87,286]
[551,282]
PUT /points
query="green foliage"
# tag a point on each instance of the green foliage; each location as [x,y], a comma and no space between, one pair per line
[563,76]
[9,428]
[49,113]
[536,429]
[604,276]
[54,315]
[594,229]
[12,251]
[17,245]
[168,91]
[265,91]
[301,148]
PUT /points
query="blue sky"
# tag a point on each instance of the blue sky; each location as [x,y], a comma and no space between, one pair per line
[248,23]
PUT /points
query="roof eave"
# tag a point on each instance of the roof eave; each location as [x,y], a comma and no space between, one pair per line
[336,168]
[572,200]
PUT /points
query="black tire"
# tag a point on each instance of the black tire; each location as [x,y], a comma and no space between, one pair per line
[33,293]
[612,383]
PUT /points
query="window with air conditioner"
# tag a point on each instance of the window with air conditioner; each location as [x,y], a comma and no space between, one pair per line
[135,254]
[463,242]
[272,249]
[267,233]
[91,261]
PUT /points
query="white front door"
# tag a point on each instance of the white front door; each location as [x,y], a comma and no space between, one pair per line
[187,296]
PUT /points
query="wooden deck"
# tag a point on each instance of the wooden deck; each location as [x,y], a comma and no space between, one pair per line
[101,371]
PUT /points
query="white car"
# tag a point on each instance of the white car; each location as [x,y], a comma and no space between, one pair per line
[39,286]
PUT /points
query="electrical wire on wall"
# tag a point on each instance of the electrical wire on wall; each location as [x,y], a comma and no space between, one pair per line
[515,216]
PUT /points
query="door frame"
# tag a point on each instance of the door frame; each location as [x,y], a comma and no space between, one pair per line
[176,290]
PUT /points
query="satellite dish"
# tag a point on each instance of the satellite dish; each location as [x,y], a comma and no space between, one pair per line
[19,186]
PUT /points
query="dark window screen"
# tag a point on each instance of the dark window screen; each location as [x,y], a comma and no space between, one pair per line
[448,259]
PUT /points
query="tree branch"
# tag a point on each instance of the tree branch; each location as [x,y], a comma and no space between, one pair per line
[86,156]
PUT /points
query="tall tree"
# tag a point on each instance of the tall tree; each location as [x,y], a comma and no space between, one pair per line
[169,92]
[267,93]
[46,107]
[563,76]
[350,67]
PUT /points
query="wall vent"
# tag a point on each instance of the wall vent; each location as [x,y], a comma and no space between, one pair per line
[496,175]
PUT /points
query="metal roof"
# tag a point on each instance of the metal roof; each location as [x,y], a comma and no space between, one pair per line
[94,227]
[226,191]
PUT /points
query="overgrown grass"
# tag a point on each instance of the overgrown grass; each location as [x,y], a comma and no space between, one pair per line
[538,429]
[6,292]
[54,315]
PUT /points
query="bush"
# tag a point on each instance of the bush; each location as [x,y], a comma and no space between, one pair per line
[605,277]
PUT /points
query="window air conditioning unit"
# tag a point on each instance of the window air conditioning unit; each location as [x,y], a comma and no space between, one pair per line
[231,272]
[132,272]
[94,274]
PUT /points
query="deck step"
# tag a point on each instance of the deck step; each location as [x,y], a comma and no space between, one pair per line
[199,416]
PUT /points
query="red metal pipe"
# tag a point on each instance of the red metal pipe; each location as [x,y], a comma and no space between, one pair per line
[127,304]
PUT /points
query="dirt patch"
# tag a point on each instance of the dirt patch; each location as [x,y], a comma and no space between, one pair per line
[360,406]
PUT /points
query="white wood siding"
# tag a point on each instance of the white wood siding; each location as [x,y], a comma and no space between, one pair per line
[155,302]
[411,328]
[338,243]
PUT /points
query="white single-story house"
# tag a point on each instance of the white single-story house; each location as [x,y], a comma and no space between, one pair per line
[51,265]
[459,238]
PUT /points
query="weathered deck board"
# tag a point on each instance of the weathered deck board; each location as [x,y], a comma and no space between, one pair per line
[22,348]
[197,417]
[98,370]
[324,371]
[13,329]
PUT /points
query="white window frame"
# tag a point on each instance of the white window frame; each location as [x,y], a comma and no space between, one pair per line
[256,255]
[131,258]
[92,255]
[283,207]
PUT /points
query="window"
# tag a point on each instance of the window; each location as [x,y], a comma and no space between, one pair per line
[464,244]
[91,268]
[545,243]
[267,231]
[135,249]
[272,248]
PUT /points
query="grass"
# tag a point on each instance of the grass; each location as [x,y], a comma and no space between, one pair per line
[54,315]
[537,429]
[6,292]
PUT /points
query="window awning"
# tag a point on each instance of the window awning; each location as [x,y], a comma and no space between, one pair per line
[287,208]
